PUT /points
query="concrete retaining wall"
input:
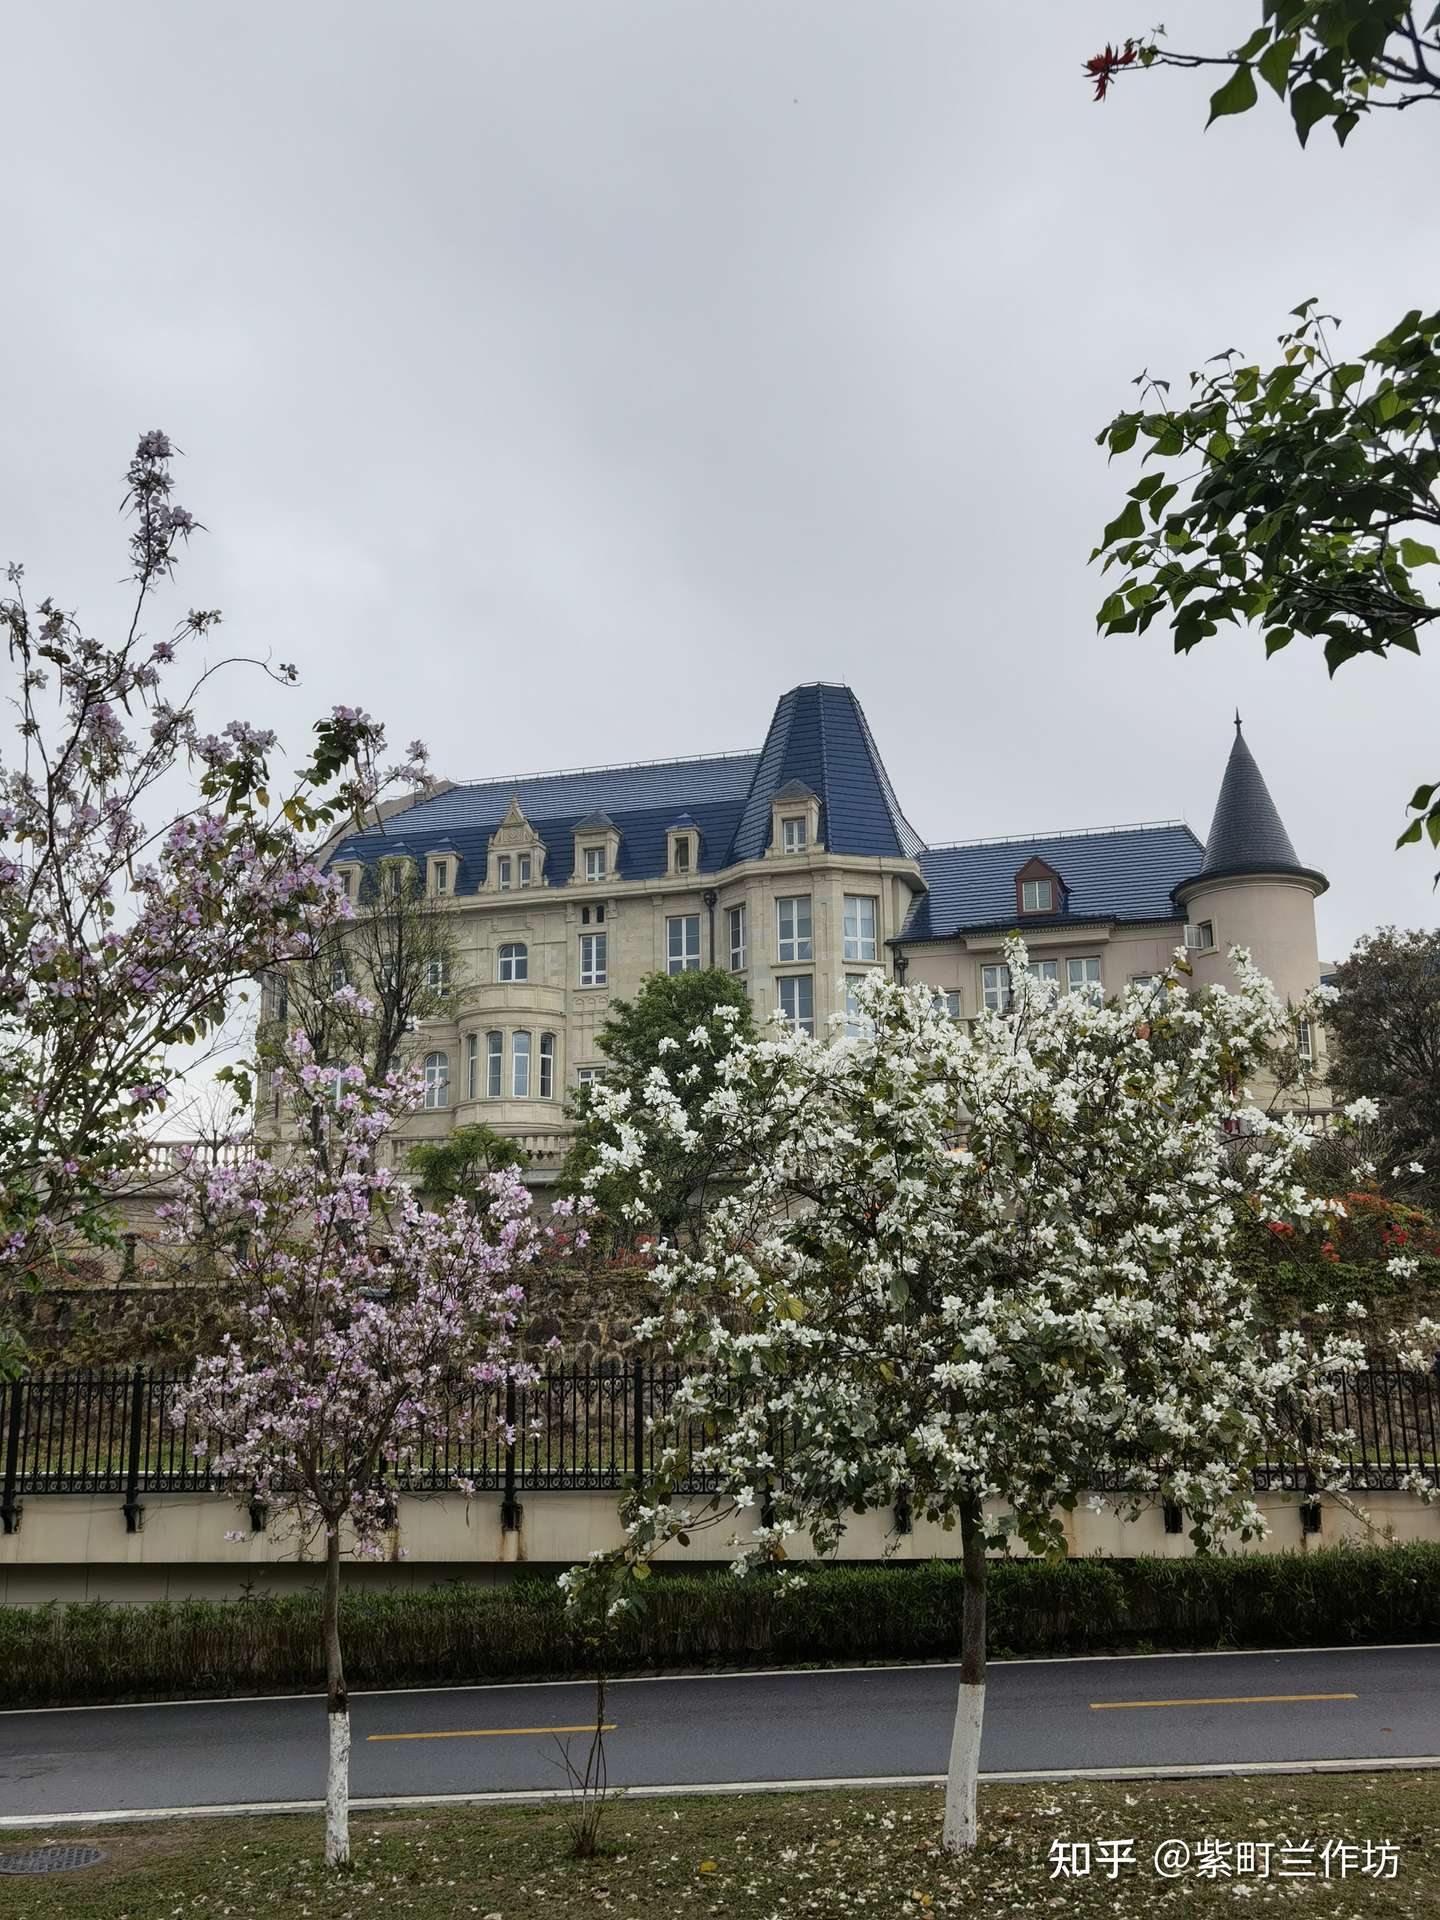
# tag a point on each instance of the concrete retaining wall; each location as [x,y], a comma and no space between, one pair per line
[76,1546]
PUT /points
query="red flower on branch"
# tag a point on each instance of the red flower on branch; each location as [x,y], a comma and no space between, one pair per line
[1103,68]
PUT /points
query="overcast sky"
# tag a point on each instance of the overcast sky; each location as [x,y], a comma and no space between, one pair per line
[563,381]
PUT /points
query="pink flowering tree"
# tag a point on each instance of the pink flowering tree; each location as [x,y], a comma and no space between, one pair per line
[122,938]
[362,1315]
[977,1273]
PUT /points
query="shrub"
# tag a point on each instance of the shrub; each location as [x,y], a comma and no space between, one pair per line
[459,1634]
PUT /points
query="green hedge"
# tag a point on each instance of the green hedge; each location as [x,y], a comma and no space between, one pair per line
[459,1634]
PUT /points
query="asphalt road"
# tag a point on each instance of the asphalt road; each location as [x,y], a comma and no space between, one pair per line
[1042,1717]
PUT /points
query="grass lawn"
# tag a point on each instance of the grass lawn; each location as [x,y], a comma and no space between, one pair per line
[764,1855]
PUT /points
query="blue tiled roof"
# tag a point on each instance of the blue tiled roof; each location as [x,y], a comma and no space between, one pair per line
[1123,873]
[821,738]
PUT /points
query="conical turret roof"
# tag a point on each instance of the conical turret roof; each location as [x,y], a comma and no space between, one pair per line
[1247,834]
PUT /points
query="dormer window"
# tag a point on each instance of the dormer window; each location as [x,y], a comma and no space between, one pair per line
[1038,889]
[682,842]
[442,868]
[597,849]
[795,819]
[348,874]
[516,856]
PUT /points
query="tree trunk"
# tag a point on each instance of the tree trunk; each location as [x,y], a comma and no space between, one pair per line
[337,1715]
[960,1822]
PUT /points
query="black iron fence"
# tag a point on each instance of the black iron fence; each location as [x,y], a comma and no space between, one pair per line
[103,1431]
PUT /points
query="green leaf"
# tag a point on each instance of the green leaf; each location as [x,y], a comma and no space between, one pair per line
[1236,96]
[1307,105]
[1410,835]
[1219,446]
[1274,64]
[1424,795]
[1276,638]
[1253,45]
[1414,554]
[1122,437]
[1127,525]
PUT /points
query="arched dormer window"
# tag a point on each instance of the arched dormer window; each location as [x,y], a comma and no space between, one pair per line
[1038,890]
[513,962]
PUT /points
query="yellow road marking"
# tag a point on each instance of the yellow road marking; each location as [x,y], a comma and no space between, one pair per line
[490,1733]
[1221,1700]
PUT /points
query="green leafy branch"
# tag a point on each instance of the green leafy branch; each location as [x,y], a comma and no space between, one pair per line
[1326,59]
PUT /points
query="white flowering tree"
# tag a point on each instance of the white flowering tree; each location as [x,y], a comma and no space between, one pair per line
[980,1273]
[361,1316]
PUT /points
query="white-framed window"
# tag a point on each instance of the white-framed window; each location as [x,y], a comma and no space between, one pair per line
[437,1080]
[442,876]
[860,911]
[995,988]
[947,1003]
[1037,896]
[680,853]
[735,937]
[494,1065]
[592,959]
[512,962]
[1047,972]
[1304,1043]
[586,1076]
[855,1023]
[797,1000]
[547,1066]
[794,833]
[792,924]
[594,863]
[522,869]
[339,977]
[520,1065]
[349,881]
[437,976]
[472,1066]
[1200,938]
[504,873]
[1083,976]
[682,943]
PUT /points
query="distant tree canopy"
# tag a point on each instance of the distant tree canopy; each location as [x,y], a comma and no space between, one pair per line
[636,1038]
[1384,1035]
[1302,498]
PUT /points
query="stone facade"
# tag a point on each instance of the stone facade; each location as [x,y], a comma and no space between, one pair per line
[794,869]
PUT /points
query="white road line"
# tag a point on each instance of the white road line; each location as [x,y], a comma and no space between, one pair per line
[746,1673]
[120,1816]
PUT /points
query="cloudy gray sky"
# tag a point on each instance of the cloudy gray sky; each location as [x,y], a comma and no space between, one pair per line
[564,381]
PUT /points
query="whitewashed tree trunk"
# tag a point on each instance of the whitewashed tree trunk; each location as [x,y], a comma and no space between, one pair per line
[961,1826]
[337,1705]
[337,1791]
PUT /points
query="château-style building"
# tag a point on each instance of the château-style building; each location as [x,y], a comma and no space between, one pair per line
[794,869]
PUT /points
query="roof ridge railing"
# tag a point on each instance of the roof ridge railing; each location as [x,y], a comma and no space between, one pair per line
[617,766]
[1058,833]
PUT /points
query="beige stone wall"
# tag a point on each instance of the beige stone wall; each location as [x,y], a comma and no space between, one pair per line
[74,1546]
[550,924]
[1125,953]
